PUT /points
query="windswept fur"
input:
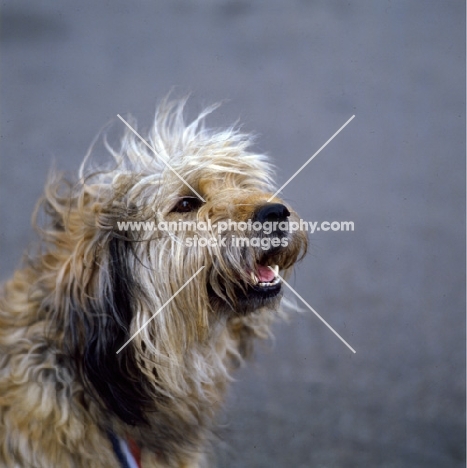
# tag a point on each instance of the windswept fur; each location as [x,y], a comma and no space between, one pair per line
[91,285]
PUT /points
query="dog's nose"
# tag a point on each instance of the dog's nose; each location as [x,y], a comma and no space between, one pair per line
[272,212]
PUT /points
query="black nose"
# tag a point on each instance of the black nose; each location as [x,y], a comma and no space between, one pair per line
[272,212]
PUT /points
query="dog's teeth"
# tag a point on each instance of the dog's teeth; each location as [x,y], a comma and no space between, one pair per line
[276,270]
[253,278]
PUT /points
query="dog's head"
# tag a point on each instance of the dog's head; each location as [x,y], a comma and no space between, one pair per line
[181,234]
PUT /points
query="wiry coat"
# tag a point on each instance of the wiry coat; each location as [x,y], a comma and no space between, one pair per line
[90,286]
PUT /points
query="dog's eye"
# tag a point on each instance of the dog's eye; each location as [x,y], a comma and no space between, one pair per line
[186,204]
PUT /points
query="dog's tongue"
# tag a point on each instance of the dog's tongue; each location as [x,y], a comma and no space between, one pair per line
[265,274]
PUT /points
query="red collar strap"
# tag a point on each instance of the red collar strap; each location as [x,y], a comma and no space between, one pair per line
[135,451]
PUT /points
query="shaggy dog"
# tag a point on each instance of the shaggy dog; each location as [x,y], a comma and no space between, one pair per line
[116,338]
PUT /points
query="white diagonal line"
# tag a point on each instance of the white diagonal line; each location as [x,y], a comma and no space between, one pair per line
[168,302]
[316,154]
[164,161]
[316,313]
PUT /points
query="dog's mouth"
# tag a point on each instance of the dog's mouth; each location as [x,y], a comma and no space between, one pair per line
[266,279]
[262,290]
[260,287]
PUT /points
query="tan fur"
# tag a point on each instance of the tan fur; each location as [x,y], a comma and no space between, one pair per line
[65,313]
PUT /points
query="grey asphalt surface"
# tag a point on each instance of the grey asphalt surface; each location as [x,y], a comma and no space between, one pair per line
[292,72]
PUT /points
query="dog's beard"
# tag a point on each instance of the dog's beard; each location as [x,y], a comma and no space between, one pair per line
[244,280]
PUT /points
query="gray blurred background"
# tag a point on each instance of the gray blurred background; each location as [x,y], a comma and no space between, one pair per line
[293,72]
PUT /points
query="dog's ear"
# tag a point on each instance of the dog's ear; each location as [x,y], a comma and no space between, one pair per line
[98,325]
